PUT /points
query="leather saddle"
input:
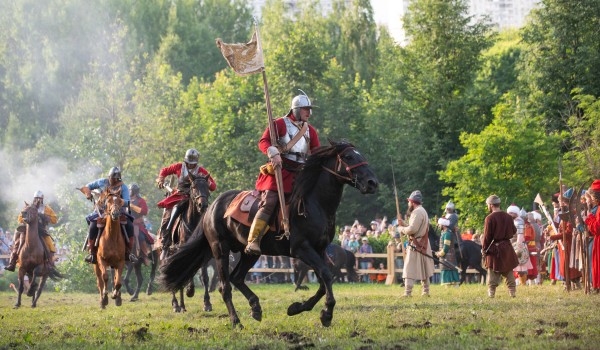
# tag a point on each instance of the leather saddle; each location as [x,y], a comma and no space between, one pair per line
[243,209]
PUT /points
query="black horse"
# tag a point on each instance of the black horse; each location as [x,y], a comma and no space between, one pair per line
[197,203]
[136,267]
[469,255]
[315,199]
[337,259]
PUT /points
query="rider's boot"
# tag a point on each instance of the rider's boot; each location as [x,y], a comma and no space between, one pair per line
[174,214]
[91,258]
[129,256]
[12,264]
[257,231]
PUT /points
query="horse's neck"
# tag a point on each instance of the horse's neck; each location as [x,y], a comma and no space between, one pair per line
[32,238]
[112,231]
[192,216]
[327,193]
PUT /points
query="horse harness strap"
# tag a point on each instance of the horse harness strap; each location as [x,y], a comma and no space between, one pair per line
[340,163]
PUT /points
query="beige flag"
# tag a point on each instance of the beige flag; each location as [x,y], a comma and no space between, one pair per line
[245,59]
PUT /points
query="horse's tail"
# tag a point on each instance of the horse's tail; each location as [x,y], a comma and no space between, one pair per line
[350,263]
[181,267]
[55,275]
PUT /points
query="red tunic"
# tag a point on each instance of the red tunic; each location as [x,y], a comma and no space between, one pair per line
[176,197]
[564,254]
[267,182]
[593,223]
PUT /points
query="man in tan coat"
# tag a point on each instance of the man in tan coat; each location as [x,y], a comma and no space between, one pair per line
[417,266]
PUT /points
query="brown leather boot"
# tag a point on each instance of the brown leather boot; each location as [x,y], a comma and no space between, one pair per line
[257,231]
[12,264]
[129,256]
[91,258]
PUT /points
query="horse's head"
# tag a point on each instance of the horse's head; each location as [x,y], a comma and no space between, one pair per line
[200,191]
[352,168]
[29,213]
[114,203]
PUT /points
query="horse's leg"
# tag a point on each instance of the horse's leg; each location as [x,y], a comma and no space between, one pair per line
[205,281]
[128,267]
[175,303]
[312,259]
[155,257]
[32,285]
[140,279]
[182,301]
[101,281]
[21,288]
[300,275]
[222,261]
[39,291]
[190,290]
[117,285]
[238,278]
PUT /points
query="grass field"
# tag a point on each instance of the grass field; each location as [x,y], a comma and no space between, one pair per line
[366,316]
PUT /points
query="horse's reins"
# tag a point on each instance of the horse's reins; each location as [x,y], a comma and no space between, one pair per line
[340,163]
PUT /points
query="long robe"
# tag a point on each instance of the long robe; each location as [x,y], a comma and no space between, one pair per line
[416,265]
[593,223]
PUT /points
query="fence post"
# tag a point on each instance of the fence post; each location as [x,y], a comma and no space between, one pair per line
[391,265]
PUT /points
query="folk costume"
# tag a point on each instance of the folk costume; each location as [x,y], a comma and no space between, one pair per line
[175,202]
[519,245]
[111,184]
[500,257]
[529,235]
[447,252]
[417,266]
[296,139]
[45,216]
[139,209]
[593,223]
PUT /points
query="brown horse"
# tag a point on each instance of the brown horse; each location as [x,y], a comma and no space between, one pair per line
[32,258]
[111,249]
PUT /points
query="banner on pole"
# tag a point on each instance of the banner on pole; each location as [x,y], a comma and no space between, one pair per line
[244,59]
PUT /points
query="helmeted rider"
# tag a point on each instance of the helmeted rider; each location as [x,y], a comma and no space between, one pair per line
[139,209]
[112,183]
[45,216]
[175,202]
[296,140]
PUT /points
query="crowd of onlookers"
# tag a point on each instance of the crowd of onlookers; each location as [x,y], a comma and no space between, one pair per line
[5,246]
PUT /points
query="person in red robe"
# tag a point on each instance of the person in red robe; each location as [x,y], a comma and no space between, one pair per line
[296,139]
[593,223]
[179,195]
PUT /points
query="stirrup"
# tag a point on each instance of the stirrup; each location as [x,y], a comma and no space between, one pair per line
[91,259]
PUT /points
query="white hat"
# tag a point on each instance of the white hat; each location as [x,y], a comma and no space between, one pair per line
[450,205]
[513,209]
[365,239]
[537,216]
[443,222]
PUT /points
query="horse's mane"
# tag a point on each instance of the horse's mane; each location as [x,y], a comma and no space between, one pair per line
[307,177]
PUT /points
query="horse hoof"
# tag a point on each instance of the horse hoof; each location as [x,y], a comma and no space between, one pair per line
[257,315]
[129,290]
[134,298]
[326,318]
[294,309]
[33,306]
[149,290]
[190,292]
[237,325]
[17,306]
[177,309]
[208,307]
[118,301]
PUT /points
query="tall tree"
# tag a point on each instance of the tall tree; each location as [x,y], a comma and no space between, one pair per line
[562,54]
[511,158]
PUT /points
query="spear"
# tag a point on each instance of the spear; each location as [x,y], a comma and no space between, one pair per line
[398,218]
[564,234]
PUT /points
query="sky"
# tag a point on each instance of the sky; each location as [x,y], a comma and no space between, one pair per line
[388,12]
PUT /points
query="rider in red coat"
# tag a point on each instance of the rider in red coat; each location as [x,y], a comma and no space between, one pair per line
[296,139]
[171,204]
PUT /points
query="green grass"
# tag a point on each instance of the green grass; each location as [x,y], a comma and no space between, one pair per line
[366,316]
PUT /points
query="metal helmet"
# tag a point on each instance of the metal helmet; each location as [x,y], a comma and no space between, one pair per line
[450,205]
[301,101]
[38,194]
[114,173]
[191,156]
[134,189]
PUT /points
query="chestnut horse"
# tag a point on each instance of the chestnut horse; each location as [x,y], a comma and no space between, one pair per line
[111,249]
[32,259]
[315,199]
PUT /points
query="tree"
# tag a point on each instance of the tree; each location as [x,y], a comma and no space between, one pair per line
[562,54]
[583,159]
[512,158]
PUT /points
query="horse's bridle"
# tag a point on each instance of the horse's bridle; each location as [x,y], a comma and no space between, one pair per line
[200,195]
[341,165]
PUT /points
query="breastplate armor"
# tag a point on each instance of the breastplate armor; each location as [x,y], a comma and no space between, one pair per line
[298,152]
